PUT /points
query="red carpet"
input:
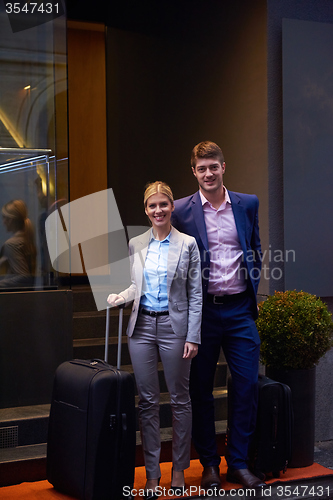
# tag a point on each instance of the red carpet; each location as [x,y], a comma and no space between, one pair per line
[43,490]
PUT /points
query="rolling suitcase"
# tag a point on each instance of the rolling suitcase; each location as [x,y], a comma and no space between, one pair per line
[270,450]
[91,435]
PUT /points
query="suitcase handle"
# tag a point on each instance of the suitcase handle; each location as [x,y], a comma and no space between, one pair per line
[120,331]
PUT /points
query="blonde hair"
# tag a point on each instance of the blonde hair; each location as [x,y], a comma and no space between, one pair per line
[157,187]
[17,211]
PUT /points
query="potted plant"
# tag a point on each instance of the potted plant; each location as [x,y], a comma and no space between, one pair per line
[296,330]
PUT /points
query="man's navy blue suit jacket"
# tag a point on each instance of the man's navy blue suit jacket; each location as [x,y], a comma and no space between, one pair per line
[188,217]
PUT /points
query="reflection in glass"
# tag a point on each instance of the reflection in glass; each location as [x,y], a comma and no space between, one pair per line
[18,253]
[28,176]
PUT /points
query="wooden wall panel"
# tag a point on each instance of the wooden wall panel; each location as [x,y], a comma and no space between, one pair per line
[86,109]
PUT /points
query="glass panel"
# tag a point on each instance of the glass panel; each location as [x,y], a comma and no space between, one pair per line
[26,185]
[33,146]
[36,317]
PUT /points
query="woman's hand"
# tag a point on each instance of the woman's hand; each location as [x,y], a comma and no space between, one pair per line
[190,350]
[115,300]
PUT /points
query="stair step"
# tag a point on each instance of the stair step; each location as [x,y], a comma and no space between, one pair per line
[92,341]
[91,346]
[24,464]
[95,348]
[28,463]
[24,426]
[30,431]
[220,375]
[166,432]
[23,451]
[221,407]
[87,324]
[21,426]
[37,451]
[29,452]
[83,299]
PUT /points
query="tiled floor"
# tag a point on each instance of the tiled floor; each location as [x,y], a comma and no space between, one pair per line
[323,454]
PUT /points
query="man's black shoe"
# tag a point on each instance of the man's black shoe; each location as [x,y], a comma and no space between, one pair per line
[245,478]
[210,477]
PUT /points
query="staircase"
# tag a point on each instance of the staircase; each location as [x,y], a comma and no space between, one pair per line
[23,430]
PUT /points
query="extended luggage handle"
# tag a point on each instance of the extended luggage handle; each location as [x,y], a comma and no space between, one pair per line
[120,332]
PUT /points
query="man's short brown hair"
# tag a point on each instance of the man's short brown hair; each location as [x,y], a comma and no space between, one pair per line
[206,149]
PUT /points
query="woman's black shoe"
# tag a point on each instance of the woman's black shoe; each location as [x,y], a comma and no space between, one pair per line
[150,494]
[177,490]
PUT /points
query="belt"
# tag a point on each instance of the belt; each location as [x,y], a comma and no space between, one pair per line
[153,313]
[225,299]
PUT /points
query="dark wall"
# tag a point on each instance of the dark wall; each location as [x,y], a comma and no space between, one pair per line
[36,336]
[307,155]
[308,10]
[204,78]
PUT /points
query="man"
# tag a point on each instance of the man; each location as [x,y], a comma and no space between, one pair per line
[225,225]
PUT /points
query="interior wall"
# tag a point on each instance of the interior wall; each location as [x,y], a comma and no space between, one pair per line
[86,108]
[307,10]
[169,91]
[307,155]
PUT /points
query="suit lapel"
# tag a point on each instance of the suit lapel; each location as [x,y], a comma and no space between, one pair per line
[175,248]
[239,214]
[141,249]
[238,211]
[199,220]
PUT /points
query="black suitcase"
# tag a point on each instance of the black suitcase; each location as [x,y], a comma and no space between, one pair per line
[91,435]
[270,450]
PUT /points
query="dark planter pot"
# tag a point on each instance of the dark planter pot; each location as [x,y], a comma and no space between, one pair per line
[303,386]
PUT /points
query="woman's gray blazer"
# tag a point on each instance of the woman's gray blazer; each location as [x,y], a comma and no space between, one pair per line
[183,283]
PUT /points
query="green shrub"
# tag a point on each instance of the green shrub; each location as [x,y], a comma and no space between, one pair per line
[295,328]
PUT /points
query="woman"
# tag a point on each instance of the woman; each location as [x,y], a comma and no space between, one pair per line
[18,254]
[165,319]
